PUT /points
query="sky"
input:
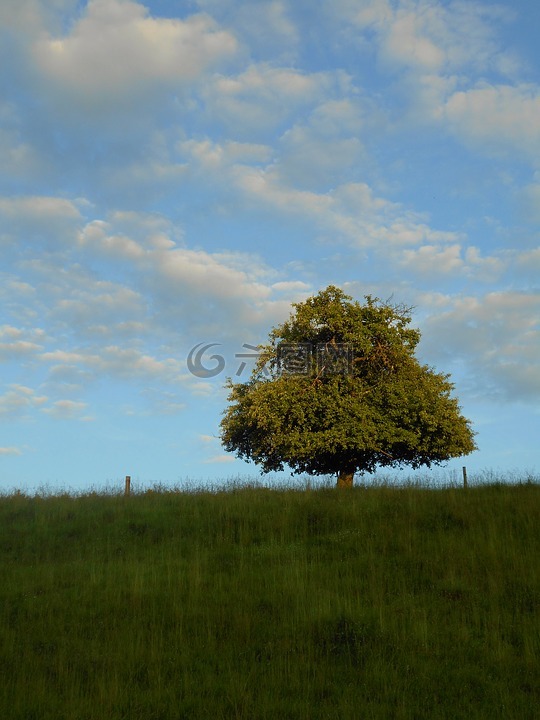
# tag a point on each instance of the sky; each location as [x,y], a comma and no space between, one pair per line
[173,175]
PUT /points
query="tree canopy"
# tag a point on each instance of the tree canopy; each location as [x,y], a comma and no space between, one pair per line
[338,390]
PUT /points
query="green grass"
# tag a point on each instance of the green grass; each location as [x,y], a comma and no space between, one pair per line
[256,603]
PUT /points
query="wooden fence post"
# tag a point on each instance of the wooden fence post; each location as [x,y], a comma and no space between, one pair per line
[128,485]
[464,477]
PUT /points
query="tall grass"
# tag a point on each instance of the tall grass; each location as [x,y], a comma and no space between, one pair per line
[383,602]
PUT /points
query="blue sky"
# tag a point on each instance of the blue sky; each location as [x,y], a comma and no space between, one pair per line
[176,173]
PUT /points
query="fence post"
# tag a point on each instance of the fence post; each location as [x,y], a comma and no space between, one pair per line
[128,485]
[464,477]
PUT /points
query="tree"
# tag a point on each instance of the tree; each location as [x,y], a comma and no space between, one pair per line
[338,389]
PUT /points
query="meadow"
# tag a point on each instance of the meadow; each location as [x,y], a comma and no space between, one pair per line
[259,603]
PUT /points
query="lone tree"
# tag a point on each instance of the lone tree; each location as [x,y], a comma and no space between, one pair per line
[338,390]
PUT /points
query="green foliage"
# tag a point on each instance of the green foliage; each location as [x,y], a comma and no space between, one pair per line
[386,410]
[261,604]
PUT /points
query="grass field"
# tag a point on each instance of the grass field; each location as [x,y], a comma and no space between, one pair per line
[389,602]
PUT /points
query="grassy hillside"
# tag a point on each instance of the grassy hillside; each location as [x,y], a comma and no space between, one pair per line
[253,603]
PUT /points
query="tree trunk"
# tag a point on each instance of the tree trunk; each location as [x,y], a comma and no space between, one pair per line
[345,478]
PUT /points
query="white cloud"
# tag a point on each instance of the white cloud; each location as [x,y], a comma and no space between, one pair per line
[497,336]
[530,260]
[211,155]
[100,305]
[118,362]
[407,42]
[66,297]
[30,219]
[10,451]
[66,409]
[218,295]
[38,209]
[116,49]
[351,212]
[292,287]
[216,275]
[264,186]
[18,158]
[18,349]
[19,399]
[264,27]
[268,24]
[129,235]
[426,37]
[430,259]
[486,269]
[372,13]
[31,16]
[148,177]
[97,235]
[326,149]
[262,97]
[439,260]
[121,327]
[455,70]
[500,118]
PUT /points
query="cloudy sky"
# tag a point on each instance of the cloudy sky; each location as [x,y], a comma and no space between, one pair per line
[175,174]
